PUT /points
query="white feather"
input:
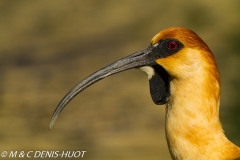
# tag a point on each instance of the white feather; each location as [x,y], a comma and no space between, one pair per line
[148,70]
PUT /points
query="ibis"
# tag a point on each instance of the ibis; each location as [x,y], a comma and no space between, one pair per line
[183,75]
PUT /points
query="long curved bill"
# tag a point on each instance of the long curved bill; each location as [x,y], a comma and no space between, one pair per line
[144,57]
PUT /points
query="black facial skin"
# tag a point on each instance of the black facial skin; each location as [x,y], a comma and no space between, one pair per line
[167,47]
[159,85]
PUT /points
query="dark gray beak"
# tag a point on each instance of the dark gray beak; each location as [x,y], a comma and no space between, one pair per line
[144,57]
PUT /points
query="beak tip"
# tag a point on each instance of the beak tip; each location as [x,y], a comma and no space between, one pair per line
[51,124]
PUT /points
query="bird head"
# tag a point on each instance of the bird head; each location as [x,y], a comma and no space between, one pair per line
[174,53]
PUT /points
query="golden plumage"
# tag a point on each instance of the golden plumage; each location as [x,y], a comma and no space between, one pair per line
[193,129]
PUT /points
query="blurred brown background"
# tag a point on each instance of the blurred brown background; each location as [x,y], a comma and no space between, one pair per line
[48,46]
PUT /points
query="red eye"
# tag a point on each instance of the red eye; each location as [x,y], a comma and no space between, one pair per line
[173,45]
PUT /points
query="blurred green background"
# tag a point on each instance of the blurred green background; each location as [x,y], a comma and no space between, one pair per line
[48,46]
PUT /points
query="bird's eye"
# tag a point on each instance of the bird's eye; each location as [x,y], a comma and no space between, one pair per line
[172,45]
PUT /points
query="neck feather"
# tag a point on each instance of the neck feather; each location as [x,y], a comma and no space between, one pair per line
[193,129]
